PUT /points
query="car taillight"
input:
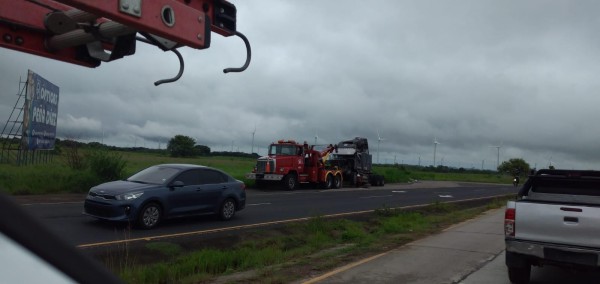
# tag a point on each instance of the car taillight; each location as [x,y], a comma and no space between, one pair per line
[509,222]
[243,185]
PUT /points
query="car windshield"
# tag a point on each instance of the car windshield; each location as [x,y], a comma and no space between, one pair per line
[154,175]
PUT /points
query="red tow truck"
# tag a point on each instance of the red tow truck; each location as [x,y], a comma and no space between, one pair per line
[290,163]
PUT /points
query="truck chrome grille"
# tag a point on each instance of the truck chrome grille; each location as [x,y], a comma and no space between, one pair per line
[261,166]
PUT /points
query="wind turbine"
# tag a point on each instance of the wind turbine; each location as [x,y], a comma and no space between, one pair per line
[498,157]
[435,143]
[379,139]
[253,132]
[316,138]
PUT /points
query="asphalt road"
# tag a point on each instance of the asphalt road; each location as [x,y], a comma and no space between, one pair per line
[263,208]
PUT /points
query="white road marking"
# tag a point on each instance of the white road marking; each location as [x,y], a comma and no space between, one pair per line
[399,191]
[445,196]
[376,196]
[52,203]
[256,204]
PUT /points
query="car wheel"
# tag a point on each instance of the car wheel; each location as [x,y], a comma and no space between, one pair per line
[337,181]
[149,216]
[290,182]
[227,209]
[519,274]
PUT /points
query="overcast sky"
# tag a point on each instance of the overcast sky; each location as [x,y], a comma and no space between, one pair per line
[473,75]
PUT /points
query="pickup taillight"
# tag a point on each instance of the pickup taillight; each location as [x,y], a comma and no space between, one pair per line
[509,222]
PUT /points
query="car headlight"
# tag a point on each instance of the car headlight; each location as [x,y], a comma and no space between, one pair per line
[129,196]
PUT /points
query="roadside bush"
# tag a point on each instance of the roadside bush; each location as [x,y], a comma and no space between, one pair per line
[79,181]
[106,165]
[73,157]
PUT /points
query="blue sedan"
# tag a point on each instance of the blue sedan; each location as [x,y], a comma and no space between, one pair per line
[167,191]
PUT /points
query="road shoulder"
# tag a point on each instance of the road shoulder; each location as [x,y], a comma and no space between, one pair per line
[447,257]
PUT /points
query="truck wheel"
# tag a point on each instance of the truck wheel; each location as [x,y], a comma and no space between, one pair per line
[381,181]
[337,181]
[355,180]
[373,180]
[290,182]
[328,182]
[519,275]
[260,184]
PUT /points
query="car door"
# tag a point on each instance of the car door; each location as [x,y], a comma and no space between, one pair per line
[185,199]
[212,185]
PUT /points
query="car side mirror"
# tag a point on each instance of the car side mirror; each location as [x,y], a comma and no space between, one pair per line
[177,183]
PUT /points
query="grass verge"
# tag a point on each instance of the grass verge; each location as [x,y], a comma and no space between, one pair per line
[294,251]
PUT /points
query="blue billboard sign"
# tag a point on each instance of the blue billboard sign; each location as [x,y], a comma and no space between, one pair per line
[41,113]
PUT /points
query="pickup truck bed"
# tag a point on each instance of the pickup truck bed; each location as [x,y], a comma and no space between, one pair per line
[554,220]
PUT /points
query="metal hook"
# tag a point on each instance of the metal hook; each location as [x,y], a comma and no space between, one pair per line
[181,66]
[248,55]
[181,63]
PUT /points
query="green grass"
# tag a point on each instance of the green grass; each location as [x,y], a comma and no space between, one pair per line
[284,254]
[57,177]
[402,174]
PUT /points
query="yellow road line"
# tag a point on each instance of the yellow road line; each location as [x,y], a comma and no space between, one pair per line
[344,268]
[216,230]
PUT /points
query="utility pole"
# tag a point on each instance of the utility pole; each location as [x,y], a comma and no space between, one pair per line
[378,142]
[498,155]
[435,143]
[252,151]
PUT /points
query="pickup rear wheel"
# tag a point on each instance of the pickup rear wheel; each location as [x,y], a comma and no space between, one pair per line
[519,275]
[290,182]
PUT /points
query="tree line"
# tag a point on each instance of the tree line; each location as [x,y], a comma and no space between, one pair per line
[178,146]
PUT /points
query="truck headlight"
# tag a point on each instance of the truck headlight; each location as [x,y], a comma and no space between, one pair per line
[129,196]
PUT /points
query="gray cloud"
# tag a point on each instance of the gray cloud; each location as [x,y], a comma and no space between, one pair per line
[471,74]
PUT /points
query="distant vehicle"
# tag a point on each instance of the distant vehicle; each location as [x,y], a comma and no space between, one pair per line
[290,163]
[352,156]
[167,191]
[554,221]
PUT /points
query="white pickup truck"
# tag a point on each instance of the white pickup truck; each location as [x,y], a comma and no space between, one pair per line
[555,220]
